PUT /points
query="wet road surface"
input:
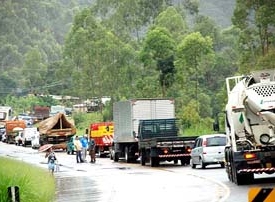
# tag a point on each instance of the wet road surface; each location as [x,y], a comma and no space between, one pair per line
[106,181]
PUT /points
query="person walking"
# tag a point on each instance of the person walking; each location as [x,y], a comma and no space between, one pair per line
[51,159]
[92,150]
[78,148]
[84,144]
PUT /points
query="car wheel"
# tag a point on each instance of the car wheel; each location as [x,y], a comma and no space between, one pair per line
[202,164]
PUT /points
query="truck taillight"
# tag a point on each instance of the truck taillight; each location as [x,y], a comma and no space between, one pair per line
[249,156]
[165,151]
[188,150]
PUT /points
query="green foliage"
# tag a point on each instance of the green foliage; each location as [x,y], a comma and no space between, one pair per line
[159,49]
[83,120]
[254,19]
[35,184]
[127,49]
[26,104]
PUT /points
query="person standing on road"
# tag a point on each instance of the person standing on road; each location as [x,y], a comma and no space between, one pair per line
[51,159]
[78,148]
[92,150]
[84,144]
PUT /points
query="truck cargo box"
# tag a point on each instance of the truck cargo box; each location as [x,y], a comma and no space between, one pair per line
[128,113]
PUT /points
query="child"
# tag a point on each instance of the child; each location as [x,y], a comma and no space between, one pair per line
[51,159]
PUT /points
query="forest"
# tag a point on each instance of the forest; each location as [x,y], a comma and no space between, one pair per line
[133,49]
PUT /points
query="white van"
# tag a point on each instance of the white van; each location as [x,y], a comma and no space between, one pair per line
[28,135]
[207,150]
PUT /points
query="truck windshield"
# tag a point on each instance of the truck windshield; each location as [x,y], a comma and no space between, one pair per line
[157,128]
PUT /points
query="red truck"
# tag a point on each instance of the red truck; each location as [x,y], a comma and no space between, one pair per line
[102,133]
[41,113]
[13,129]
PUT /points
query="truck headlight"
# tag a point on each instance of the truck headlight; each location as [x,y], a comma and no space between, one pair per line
[264,138]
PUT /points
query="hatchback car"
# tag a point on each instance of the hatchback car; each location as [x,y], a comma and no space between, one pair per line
[207,150]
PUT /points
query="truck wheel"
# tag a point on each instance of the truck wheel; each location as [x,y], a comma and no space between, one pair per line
[111,155]
[154,162]
[127,159]
[176,161]
[116,157]
[142,158]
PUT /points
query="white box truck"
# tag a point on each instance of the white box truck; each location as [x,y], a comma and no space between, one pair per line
[145,128]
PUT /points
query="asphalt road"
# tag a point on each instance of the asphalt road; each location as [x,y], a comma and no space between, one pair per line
[107,181]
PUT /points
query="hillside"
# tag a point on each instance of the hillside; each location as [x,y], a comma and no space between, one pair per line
[220,11]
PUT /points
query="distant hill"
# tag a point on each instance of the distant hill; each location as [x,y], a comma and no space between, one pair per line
[220,11]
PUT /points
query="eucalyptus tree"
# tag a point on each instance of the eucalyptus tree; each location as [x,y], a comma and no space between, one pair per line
[194,56]
[158,54]
[129,19]
[99,63]
[173,21]
[34,71]
[256,20]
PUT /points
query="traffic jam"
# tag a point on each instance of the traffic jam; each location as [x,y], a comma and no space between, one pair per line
[143,141]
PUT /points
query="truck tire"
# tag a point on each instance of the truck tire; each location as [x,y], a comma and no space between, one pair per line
[154,162]
[127,159]
[176,161]
[116,157]
[143,157]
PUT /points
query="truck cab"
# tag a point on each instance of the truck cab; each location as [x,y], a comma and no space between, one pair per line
[159,141]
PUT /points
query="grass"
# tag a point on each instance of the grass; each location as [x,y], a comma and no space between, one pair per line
[35,184]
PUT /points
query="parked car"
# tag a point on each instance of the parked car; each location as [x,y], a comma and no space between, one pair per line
[207,150]
[70,145]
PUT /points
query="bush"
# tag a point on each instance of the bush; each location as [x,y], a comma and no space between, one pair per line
[35,184]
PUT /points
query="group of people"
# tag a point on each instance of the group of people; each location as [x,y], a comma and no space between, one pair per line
[84,146]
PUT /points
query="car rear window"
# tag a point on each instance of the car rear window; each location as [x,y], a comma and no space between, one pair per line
[215,141]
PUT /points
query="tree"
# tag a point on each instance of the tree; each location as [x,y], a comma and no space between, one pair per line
[255,19]
[194,55]
[158,53]
[173,22]
[34,71]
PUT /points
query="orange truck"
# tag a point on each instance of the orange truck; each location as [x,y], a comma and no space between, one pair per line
[13,129]
[102,133]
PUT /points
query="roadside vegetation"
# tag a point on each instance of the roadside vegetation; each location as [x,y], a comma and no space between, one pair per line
[167,49]
[35,184]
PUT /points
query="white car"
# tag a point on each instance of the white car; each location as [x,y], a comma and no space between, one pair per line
[207,150]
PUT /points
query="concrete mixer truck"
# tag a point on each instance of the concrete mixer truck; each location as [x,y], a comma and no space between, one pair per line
[250,126]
